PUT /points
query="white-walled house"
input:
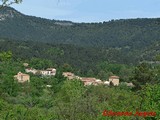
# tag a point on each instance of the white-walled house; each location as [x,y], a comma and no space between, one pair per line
[114,80]
[49,72]
[106,83]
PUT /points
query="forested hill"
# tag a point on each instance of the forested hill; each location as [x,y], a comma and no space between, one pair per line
[130,33]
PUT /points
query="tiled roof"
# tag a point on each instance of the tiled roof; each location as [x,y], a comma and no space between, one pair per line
[115,77]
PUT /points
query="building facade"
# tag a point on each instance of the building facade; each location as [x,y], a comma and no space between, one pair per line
[114,80]
[21,77]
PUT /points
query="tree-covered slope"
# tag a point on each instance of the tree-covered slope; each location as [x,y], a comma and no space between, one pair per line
[130,33]
[81,58]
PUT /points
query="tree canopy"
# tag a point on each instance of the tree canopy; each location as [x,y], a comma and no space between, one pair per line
[9,2]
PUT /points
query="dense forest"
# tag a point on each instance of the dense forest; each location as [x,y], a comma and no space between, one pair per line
[80,60]
[131,33]
[129,49]
[83,58]
[135,39]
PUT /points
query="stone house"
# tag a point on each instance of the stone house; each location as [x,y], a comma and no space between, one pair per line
[91,81]
[21,77]
[69,75]
[88,81]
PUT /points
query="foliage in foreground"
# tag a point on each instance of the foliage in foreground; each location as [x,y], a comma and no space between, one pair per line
[69,99]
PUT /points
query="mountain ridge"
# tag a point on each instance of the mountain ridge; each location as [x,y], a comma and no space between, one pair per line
[131,33]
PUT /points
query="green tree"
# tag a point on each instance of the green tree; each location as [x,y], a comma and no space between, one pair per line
[90,73]
[9,2]
[157,57]
[143,74]
[66,101]
[67,68]
[72,90]
[36,86]
[102,75]
[40,63]
[10,86]
[150,100]
[5,56]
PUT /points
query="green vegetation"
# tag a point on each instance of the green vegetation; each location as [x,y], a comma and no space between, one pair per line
[130,34]
[82,61]
[127,48]
[70,99]
[121,34]
[120,41]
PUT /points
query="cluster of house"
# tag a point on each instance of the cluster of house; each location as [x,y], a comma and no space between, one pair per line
[21,77]
[114,80]
[47,72]
[92,81]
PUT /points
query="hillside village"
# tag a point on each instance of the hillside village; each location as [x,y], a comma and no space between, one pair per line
[23,77]
[64,70]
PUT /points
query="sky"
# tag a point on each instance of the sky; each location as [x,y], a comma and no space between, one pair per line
[90,10]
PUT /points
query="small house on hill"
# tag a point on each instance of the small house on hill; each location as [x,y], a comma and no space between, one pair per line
[91,81]
[21,77]
[88,81]
[49,72]
[97,82]
[114,80]
[69,75]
